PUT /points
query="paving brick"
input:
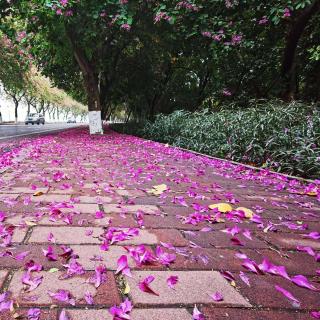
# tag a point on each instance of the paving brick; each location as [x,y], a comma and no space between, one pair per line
[113,208]
[212,313]
[45,314]
[20,190]
[262,292]
[290,240]
[69,191]
[193,287]
[225,259]
[170,236]
[86,207]
[169,222]
[89,314]
[77,235]
[126,221]
[220,239]
[66,235]
[35,253]
[152,200]
[163,313]
[110,257]
[18,235]
[51,198]
[8,196]
[174,210]
[95,200]
[87,253]
[77,286]
[117,220]
[3,275]
[19,207]
[130,193]
[82,208]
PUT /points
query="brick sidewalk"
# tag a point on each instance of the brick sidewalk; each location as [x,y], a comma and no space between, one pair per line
[75,205]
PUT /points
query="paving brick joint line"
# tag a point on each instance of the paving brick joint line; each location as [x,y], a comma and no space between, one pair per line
[116,226]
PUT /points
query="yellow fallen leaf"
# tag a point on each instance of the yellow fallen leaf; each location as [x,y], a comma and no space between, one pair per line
[300,222]
[233,283]
[159,189]
[53,270]
[222,207]
[38,194]
[247,212]
[126,289]
[30,223]
[311,194]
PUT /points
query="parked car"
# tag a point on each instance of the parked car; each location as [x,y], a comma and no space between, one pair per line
[35,118]
[71,120]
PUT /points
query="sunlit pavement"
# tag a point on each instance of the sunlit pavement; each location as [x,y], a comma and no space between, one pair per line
[87,222]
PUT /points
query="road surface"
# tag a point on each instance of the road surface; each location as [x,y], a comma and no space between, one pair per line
[15,131]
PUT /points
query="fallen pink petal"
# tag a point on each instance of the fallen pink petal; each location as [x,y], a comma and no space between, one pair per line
[172,281]
[302,281]
[288,295]
[144,285]
[123,266]
[63,296]
[197,315]
[217,297]
[34,314]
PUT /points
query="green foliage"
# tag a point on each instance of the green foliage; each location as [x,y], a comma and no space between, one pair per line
[282,137]
[158,56]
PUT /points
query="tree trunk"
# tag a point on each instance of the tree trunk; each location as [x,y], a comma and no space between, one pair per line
[29,106]
[16,105]
[289,72]
[91,85]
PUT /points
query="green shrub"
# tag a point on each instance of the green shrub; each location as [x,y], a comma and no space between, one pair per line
[282,137]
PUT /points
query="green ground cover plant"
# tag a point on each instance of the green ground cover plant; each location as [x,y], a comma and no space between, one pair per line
[283,137]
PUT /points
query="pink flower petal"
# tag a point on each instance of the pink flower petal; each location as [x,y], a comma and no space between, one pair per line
[100,276]
[244,278]
[121,312]
[308,250]
[99,215]
[123,266]
[164,257]
[247,234]
[236,241]
[34,314]
[21,256]
[302,281]
[197,315]
[217,296]
[89,298]
[33,283]
[288,295]
[63,315]
[172,281]
[144,285]
[63,296]
[50,254]
[312,235]
[51,238]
